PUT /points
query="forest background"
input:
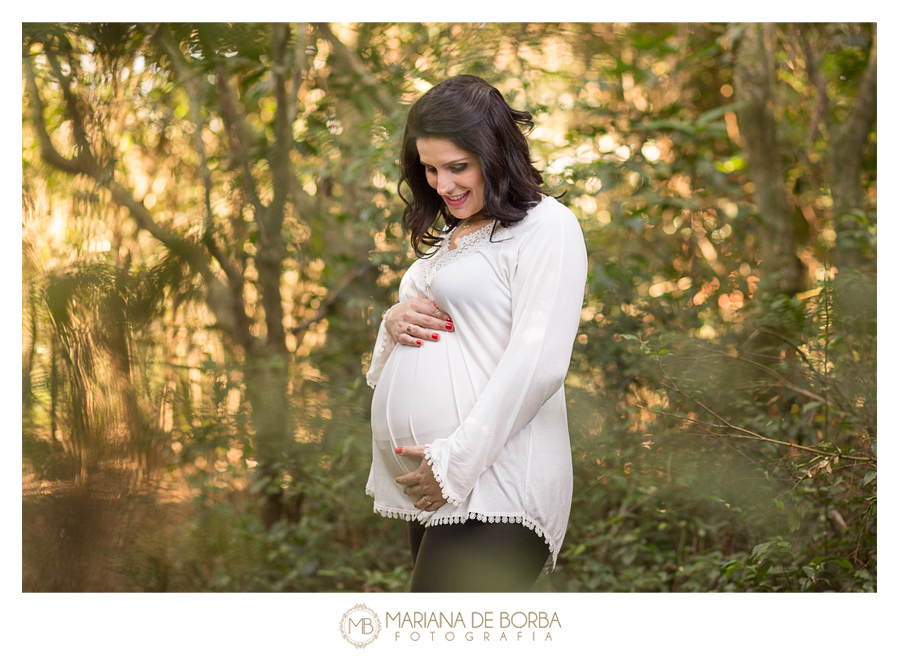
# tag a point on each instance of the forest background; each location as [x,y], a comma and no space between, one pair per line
[210,238]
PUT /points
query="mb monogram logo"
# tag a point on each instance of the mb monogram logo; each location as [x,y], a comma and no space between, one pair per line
[360,626]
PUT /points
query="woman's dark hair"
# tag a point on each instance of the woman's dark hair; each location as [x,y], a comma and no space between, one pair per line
[474,116]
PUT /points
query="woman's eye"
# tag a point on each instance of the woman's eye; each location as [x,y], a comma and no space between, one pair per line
[458,169]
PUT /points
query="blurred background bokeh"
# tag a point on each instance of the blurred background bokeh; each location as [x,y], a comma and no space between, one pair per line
[210,236]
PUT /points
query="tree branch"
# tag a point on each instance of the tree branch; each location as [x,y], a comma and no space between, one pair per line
[848,149]
[331,301]
[279,161]
[862,116]
[83,152]
[746,434]
[350,60]
[219,300]
[779,266]
[298,69]
[814,73]
[190,83]
[778,376]
[235,125]
[48,151]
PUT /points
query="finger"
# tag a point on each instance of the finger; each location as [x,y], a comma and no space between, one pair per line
[437,318]
[422,328]
[419,322]
[428,504]
[407,333]
[411,479]
[399,318]
[411,451]
[425,503]
[415,489]
[412,341]
[433,318]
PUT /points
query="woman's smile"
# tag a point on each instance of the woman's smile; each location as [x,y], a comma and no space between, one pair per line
[456,201]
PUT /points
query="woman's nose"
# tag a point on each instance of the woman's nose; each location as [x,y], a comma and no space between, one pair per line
[444,183]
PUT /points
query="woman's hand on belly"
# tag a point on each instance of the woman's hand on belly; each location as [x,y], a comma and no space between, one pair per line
[420,483]
[416,320]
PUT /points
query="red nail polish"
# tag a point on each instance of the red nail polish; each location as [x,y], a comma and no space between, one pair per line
[398,450]
[449,325]
[418,342]
[435,336]
[449,319]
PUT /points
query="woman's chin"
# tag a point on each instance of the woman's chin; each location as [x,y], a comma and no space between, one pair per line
[462,213]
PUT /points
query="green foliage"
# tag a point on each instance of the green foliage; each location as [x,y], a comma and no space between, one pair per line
[749,468]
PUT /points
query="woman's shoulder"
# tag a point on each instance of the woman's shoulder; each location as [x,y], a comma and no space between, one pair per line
[547,216]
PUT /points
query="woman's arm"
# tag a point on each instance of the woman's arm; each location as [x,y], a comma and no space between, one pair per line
[547,295]
[411,322]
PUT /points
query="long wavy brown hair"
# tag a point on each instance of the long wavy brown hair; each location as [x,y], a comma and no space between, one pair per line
[475,117]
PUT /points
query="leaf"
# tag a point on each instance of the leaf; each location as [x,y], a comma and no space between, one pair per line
[760,549]
[779,504]
[871,475]
[668,124]
[716,113]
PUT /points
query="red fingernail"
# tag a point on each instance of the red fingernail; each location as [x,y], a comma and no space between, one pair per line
[398,450]
[435,336]
[449,325]
[449,319]
[418,342]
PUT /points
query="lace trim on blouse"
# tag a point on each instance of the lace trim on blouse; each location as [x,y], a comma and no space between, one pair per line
[467,244]
[377,359]
[454,500]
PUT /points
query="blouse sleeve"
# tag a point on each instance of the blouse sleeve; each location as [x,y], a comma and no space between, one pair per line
[384,344]
[547,295]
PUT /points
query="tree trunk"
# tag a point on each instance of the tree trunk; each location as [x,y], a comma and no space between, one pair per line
[848,149]
[779,266]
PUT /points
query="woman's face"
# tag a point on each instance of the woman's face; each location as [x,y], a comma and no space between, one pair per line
[455,174]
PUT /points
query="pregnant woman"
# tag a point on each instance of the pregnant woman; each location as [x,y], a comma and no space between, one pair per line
[470,438]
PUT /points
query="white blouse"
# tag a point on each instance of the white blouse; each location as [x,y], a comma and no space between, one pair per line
[487,399]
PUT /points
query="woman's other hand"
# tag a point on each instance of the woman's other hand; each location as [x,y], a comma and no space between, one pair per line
[416,320]
[420,483]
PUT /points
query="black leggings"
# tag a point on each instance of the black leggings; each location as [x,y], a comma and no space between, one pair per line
[475,557]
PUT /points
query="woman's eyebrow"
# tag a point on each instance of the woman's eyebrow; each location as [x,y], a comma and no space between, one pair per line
[446,164]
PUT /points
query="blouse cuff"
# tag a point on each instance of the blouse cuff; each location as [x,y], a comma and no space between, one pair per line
[440,477]
[383,347]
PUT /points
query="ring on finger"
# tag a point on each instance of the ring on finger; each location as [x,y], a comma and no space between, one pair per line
[409,330]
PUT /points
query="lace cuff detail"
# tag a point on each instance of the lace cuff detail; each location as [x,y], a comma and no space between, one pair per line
[383,347]
[450,497]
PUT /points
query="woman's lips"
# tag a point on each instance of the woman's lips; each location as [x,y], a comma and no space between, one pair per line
[457,203]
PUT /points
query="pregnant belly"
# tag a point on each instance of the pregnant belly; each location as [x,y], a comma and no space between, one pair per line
[420,397]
